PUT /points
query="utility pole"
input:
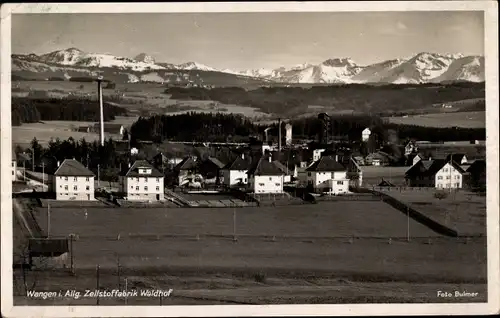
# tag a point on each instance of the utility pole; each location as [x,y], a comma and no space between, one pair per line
[98,183]
[407,223]
[71,236]
[33,159]
[48,220]
[234,224]
[97,283]
[126,285]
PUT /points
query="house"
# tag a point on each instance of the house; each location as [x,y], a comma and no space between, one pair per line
[13,168]
[377,159]
[457,157]
[437,173]
[287,177]
[188,166]
[317,154]
[328,175]
[411,147]
[365,134]
[235,172]
[418,176]
[166,161]
[113,129]
[265,177]
[413,158]
[211,169]
[477,171]
[359,160]
[302,173]
[83,129]
[73,181]
[354,173]
[142,182]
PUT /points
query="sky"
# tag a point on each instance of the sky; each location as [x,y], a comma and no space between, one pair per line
[241,41]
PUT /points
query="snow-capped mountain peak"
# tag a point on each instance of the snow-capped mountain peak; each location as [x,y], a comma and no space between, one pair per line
[143,57]
[423,67]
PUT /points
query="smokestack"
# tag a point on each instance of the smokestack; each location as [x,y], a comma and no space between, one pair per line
[101,110]
[279,134]
[288,134]
[270,158]
[242,156]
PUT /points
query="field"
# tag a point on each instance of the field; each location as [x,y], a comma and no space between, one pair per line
[44,131]
[463,211]
[373,175]
[335,252]
[459,119]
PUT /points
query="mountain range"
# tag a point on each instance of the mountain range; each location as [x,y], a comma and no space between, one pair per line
[421,68]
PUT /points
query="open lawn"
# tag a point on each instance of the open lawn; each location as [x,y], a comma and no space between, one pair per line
[459,119]
[373,175]
[463,211]
[342,219]
[44,131]
[336,252]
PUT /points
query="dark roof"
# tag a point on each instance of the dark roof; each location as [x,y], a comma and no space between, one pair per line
[282,167]
[458,157]
[23,157]
[109,128]
[73,168]
[431,167]
[477,166]
[326,163]
[134,169]
[187,163]
[263,167]
[217,162]
[238,164]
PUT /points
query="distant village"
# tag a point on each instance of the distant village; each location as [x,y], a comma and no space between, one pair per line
[256,168]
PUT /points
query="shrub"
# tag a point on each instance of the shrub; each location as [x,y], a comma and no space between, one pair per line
[260,277]
[440,195]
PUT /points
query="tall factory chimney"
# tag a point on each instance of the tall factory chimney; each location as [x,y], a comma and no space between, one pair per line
[288,134]
[101,110]
[279,134]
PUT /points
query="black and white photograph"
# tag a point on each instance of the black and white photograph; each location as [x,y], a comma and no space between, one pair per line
[233,159]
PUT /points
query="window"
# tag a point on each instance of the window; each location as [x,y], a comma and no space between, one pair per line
[12,172]
[146,179]
[277,184]
[75,188]
[270,178]
[60,178]
[60,186]
[157,188]
[440,177]
[261,184]
[340,182]
[145,188]
[13,163]
[137,188]
[65,178]
[131,187]
[457,177]
[75,178]
[87,188]
[457,184]
[157,180]
[65,187]
[445,169]
[308,174]
[87,179]
[245,180]
[447,177]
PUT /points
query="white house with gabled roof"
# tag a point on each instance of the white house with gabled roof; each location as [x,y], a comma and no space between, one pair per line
[73,181]
[265,177]
[328,175]
[235,172]
[143,182]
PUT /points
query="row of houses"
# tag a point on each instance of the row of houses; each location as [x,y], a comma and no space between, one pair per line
[452,172]
[142,181]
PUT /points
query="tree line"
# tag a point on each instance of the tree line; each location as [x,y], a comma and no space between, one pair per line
[32,110]
[359,97]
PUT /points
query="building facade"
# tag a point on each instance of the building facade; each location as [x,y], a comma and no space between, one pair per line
[13,169]
[235,173]
[265,177]
[73,181]
[365,134]
[143,182]
[450,176]
[328,175]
